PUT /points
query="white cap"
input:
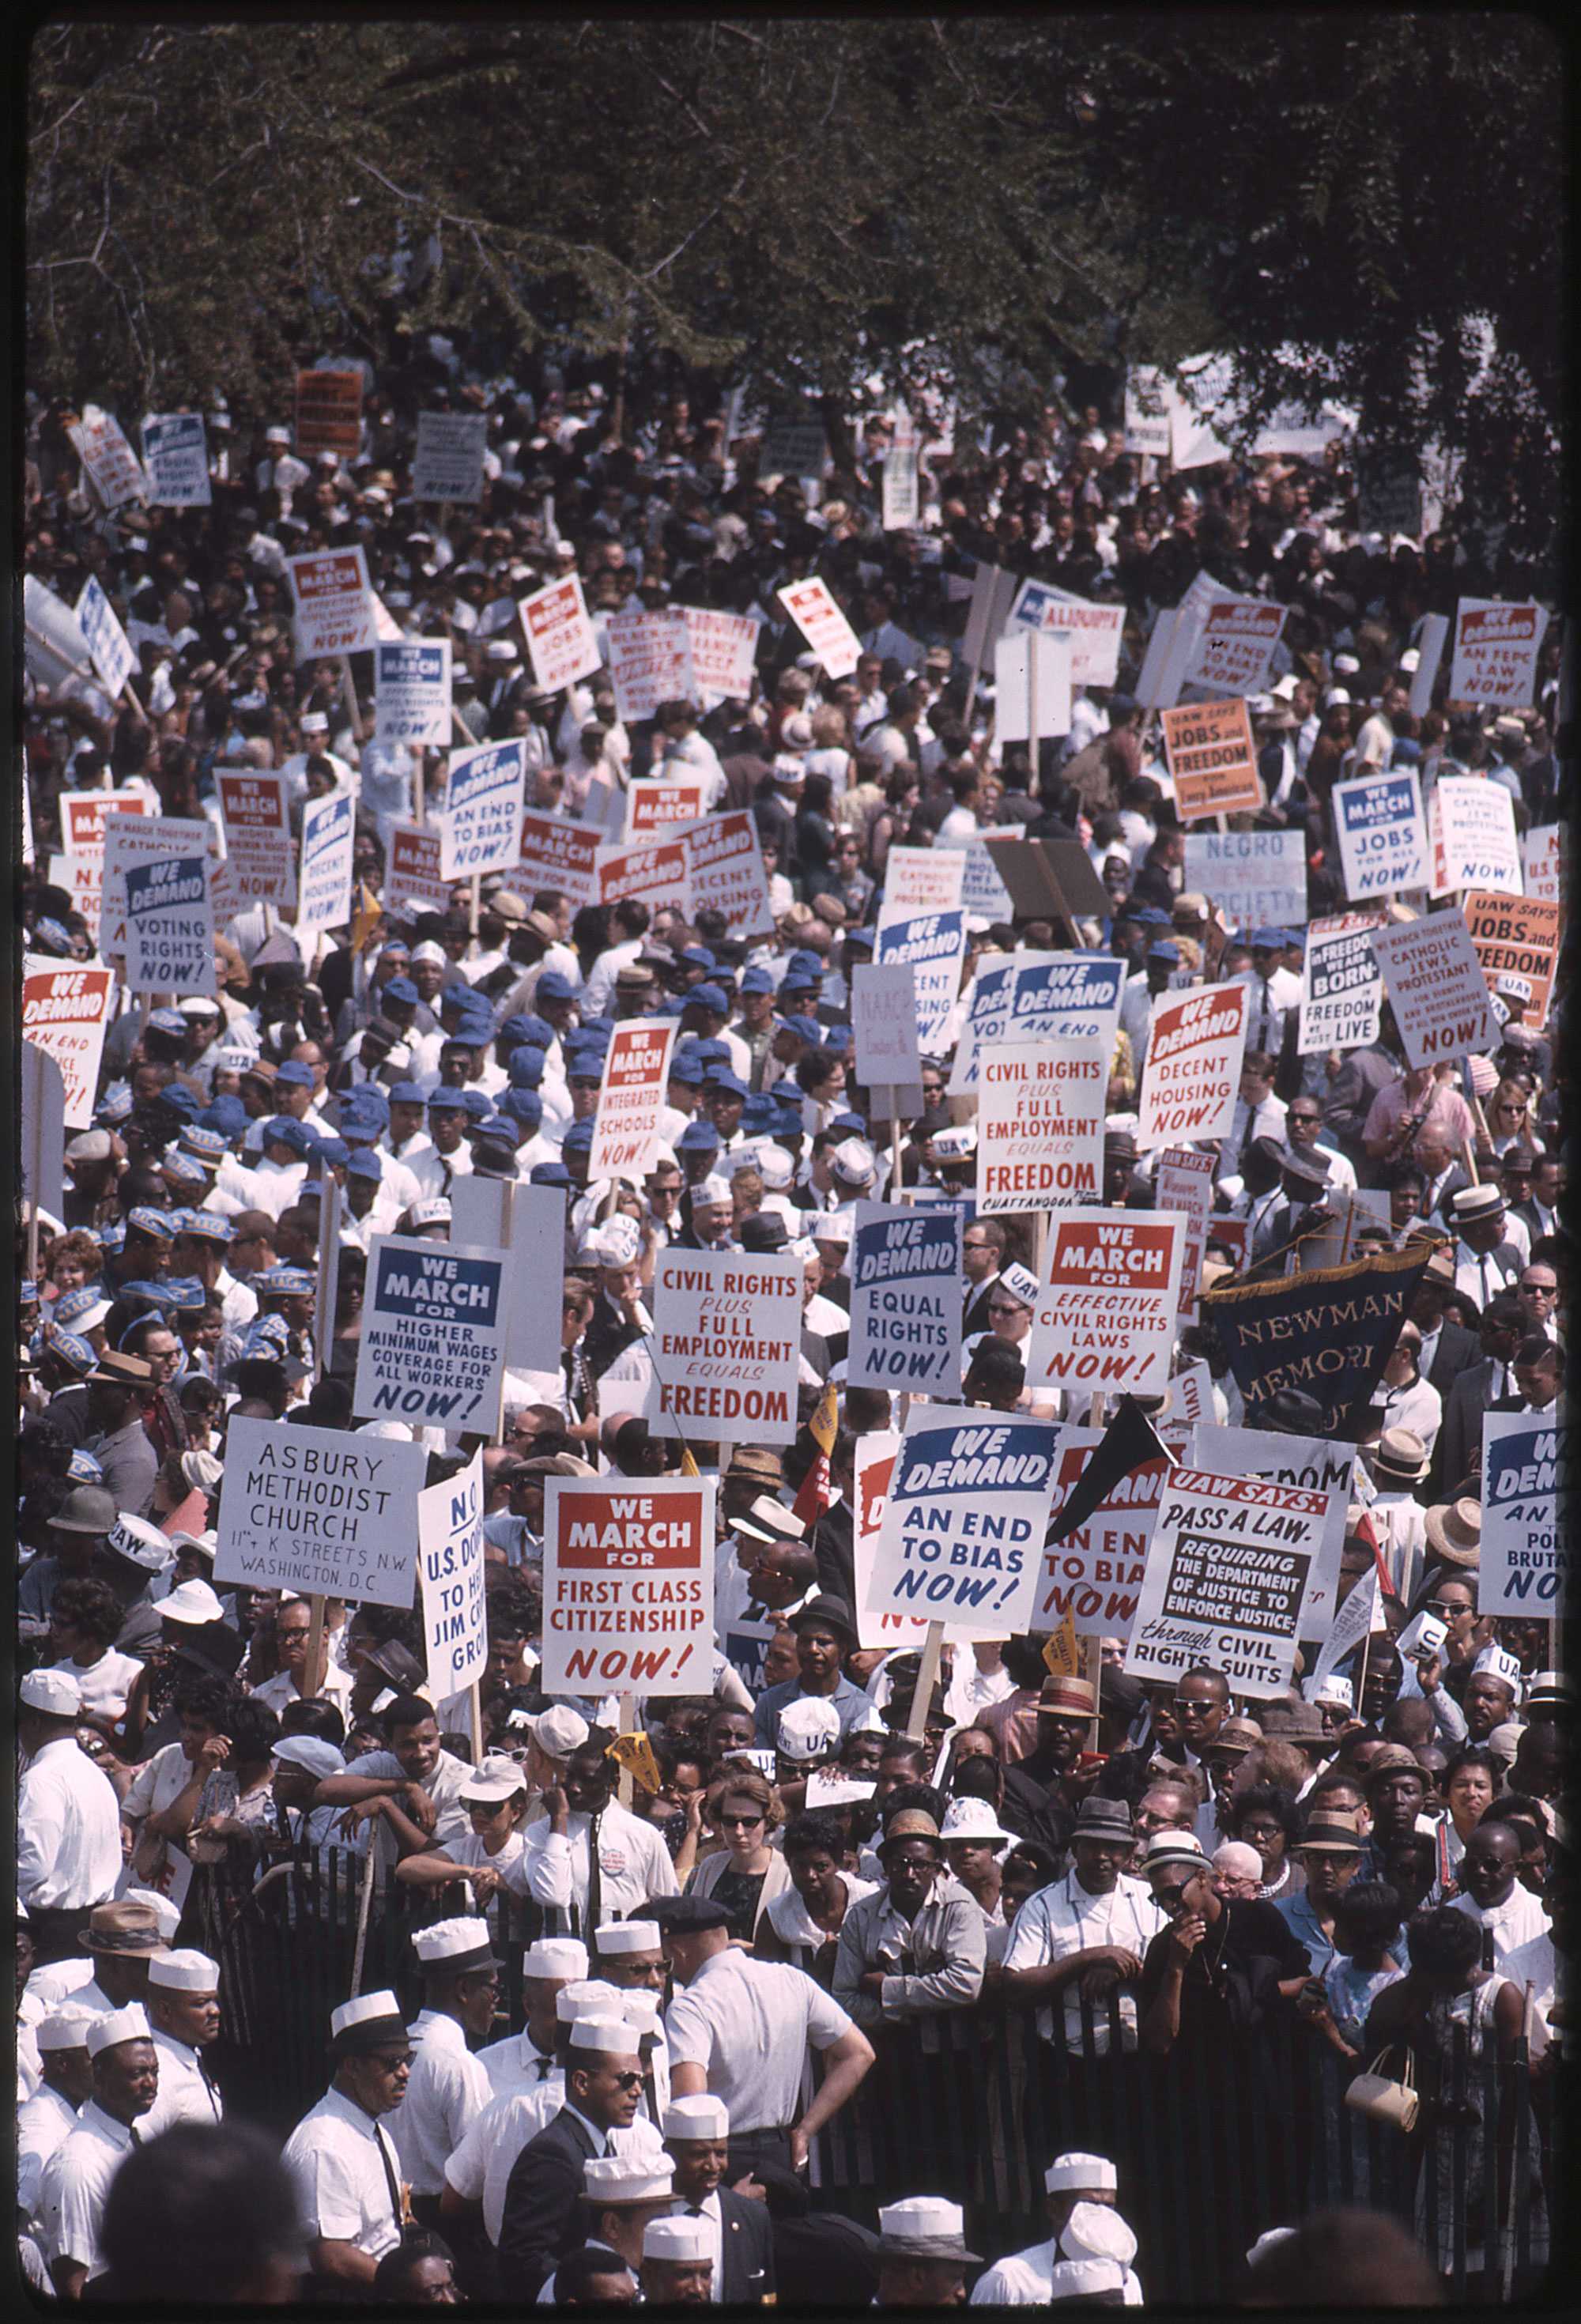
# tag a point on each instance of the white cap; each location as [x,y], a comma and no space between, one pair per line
[588,1997]
[559,1731]
[433,1211]
[66,2028]
[611,2035]
[806,1727]
[367,2007]
[314,722]
[167,1914]
[642,2178]
[448,1941]
[713,1189]
[920,2220]
[700,2117]
[142,1543]
[1094,2231]
[185,1972]
[128,2024]
[1019,1283]
[612,1939]
[955,1145]
[775,1167]
[972,1820]
[55,1691]
[831,1226]
[1333,1689]
[555,1957]
[1081,2170]
[680,2239]
[1083,2279]
[616,1242]
[1269,2240]
[854,1159]
[192,1601]
[639,2005]
[495,1778]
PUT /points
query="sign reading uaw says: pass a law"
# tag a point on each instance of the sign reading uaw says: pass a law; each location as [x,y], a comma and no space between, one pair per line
[628,1586]
[1105,1313]
[432,1351]
[317,1510]
[1229,1567]
[726,1340]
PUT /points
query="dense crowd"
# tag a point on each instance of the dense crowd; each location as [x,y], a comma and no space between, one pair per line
[814,1863]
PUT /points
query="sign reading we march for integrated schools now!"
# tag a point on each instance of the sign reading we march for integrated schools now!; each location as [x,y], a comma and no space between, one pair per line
[631,1099]
[1435,989]
[1105,1313]
[1382,835]
[1341,989]
[628,1586]
[334,604]
[1040,1124]
[432,1351]
[1525,1560]
[481,827]
[905,1269]
[964,1521]
[451,1566]
[726,1340]
[412,692]
[319,1510]
[1192,1072]
[1230,1565]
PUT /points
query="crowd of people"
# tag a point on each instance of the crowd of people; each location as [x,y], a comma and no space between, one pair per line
[652,1985]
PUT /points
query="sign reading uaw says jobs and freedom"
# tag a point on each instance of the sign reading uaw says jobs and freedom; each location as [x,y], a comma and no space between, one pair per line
[628,1586]
[726,1339]
[433,1334]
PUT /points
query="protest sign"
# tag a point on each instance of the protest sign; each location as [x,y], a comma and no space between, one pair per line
[1258,879]
[1229,1568]
[724,654]
[962,1535]
[983,894]
[793,446]
[1093,630]
[169,926]
[447,463]
[1147,414]
[324,888]
[992,594]
[83,814]
[1040,1124]
[650,661]
[259,848]
[1192,1072]
[1184,1183]
[1310,1462]
[1105,1313]
[554,853]
[1496,647]
[1525,1563]
[1516,937]
[1471,831]
[451,1568]
[1327,1331]
[1341,989]
[1211,761]
[656,870]
[821,622]
[1235,645]
[413,875]
[1542,856]
[920,879]
[659,802]
[876,1467]
[334,604]
[108,641]
[628,1586]
[631,1099]
[480,829]
[1435,989]
[1382,837]
[884,1024]
[726,1342]
[934,944]
[432,1351]
[1431,638]
[83,879]
[1094,1575]
[725,874]
[1359,1615]
[559,636]
[319,1511]
[328,413]
[901,496]
[987,1015]
[175,452]
[528,1224]
[906,1300]
[113,467]
[412,692]
[1031,685]
[130,839]
[40,1149]
[65,1008]
[1066,996]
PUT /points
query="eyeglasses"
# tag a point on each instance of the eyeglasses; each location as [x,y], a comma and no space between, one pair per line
[627,2081]
[738,1824]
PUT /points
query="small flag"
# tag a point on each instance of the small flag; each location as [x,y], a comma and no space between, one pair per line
[635,1753]
[813,1496]
[1129,1443]
[366,915]
[1061,1654]
[688,1466]
[1365,1530]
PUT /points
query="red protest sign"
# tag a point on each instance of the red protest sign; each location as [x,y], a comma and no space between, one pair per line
[329,412]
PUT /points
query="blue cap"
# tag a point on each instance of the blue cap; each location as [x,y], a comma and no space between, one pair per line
[286,1283]
[578,1139]
[756,980]
[837,1037]
[186,1297]
[757,1115]
[1165,951]
[862,939]
[1268,940]
[204,1226]
[478,1103]
[73,1304]
[602,1025]
[497,1126]
[146,1221]
[402,990]
[554,986]
[698,1137]
[685,1067]
[113,1106]
[179,1099]
[283,1130]
[699,956]
[83,1468]
[806,1029]
[525,1070]
[549,1174]
[709,1053]
[226,1115]
[267,1335]
[74,1352]
[206,1143]
[408,1093]
[167,1020]
[719,1080]
[142,1289]
[849,1125]
[333,1150]
[586,1065]
[1405,754]
[363,1164]
[522,1108]
[111,1238]
[294,1074]
[183,1171]
[808,961]
[1150,917]
[393,948]
[708,996]
[529,1032]
[446,1100]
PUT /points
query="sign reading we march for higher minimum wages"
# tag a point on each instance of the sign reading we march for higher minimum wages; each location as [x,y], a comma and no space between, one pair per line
[432,1351]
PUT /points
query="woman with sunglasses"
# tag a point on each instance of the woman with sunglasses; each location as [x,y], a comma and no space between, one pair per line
[746,1874]
[1471,1780]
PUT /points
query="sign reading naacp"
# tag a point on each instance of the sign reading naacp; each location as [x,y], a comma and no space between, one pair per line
[1383,837]
[413,876]
[1040,1124]
[905,1269]
[64,1013]
[1327,1332]
[1525,1560]
[329,412]
[724,653]
[822,624]
[1341,987]
[876,1467]
[319,1511]
[963,1527]
[1095,1574]
[884,1025]
[1472,836]
[650,661]
[447,464]
[559,636]
[170,926]
[1192,1075]
[554,853]
[328,837]
[412,692]
[334,604]
[1227,1576]
[1211,761]
[481,827]
[1184,1183]
[920,879]
[432,1351]
[1257,878]
[175,452]
[656,870]
[656,804]
[1105,1313]
[108,641]
[724,870]
[934,942]
[1435,989]
[1308,1461]
[1235,645]
[726,1340]
[450,1566]
[1496,647]
[1095,630]
[259,847]
[1516,937]
[631,1099]
[628,1586]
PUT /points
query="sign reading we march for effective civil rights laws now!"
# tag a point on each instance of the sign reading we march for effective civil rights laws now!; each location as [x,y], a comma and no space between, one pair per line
[1104,1319]
[628,1586]
[432,1351]
[317,1510]
[1225,1578]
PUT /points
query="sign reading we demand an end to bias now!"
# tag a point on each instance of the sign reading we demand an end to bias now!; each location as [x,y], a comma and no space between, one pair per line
[628,1586]
[962,1535]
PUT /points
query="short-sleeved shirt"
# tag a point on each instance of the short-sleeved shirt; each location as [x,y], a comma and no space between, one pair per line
[448,2091]
[74,2183]
[748,2024]
[343,2189]
[1064,1919]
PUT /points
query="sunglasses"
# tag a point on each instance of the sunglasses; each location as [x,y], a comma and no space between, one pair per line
[627,2081]
[738,1824]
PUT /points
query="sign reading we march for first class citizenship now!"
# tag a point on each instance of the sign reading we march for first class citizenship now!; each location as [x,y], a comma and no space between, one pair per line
[320,1509]
[432,1351]
[628,1586]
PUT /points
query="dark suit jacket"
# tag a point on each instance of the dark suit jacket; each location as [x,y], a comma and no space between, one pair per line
[542,2220]
[1459,1442]
[1456,1352]
[1527,1213]
[749,2250]
[834,1554]
[976,1318]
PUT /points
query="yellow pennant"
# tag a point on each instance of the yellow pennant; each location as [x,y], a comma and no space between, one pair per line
[635,1753]
[1062,1655]
[688,1466]
[825,1424]
[366,917]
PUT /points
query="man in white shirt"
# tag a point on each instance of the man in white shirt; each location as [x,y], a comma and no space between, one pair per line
[1272,991]
[347,2179]
[183,2009]
[586,1857]
[46,2120]
[1258,1112]
[1086,1935]
[76,2179]
[1491,1890]
[68,1817]
[1081,2192]
[735,2234]
[448,2088]
[1488,1255]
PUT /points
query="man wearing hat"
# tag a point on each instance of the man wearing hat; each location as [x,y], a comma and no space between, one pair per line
[1209,1973]
[1458,1450]
[922,2255]
[1272,991]
[68,1817]
[677,2264]
[1399,1465]
[182,2003]
[1086,1936]
[342,2162]
[825,1634]
[1488,1253]
[522,2060]
[541,2220]
[49,2116]
[736,2231]
[448,2086]
[1039,1795]
[1329,1853]
[117,1439]
[76,2179]
[917,1944]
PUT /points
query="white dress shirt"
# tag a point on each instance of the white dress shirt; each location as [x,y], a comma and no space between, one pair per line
[1064,1919]
[634,1864]
[711,2214]
[447,2090]
[43,2124]
[67,1831]
[343,2188]
[1025,2278]
[75,2181]
[185,2091]
[748,2024]
[1516,1922]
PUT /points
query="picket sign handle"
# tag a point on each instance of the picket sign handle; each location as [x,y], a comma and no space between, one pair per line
[628,1721]
[474,1712]
[1094,1647]
[363,1903]
[927,1680]
[473,904]
[418,756]
[311,1671]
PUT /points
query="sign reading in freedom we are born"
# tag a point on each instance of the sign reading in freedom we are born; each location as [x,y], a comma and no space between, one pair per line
[628,1586]
[963,1527]
[432,1351]
[1341,989]
[319,1511]
[905,1273]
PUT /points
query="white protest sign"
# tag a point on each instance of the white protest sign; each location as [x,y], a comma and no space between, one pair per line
[447,463]
[40,1146]
[906,1301]
[659,802]
[631,1099]
[1383,837]
[481,827]
[1066,996]
[1542,856]
[259,848]
[82,877]
[822,624]
[992,594]
[1341,989]
[1095,1573]
[1031,685]
[725,1342]
[324,886]
[1258,879]
[451,1569]
[724,653]
[1229,1569]
[169,926]
[108,641]
[319,1511]
[793,446]
[983,894]
[920,879]
[655,870]
[876,1465]
[901,497]
[1095,630]
[1471,826]
[1309,1463]
[1525,1557]
[130,839]
[725,874]
[1360,1614]
[1496,647]
[65,1008]
[628,1586]
[175,452]
[1183,1183]
[528,1222]
[1104,1319]
[934,944]
[1431,639]
[1192,1075]
[1435,989]
[432,1351]
[113,467]
[884,1024]
[1040,1124]
[1146,412]
[986,1016]
[555,853]
[650,661]
[559,636]
[412,875]
[1235,645]
[334,603]
[412,692]
[962,1535]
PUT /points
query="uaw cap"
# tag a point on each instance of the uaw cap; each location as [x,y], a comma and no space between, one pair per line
[119,2025]
[122,1927]
[808,1728]
[611,2035]
[923,2226]
[1401,1453]
[972,1820]
[612,1940]
[66,2028]
[495,1778]
[560,1730]
[956,1145]
[450,1948]
[192,1601]
[555,1957]
[679,2239]
[699,2116]
[1094,2231]
[642,2178]
[1075,2170]
[1470,1203]
[311,1753]
[140,1543]
[433,1211]
[853,1159]
[187,1971]
[371,2022]
[1019,1283]
[1166,1848]
[54,1692]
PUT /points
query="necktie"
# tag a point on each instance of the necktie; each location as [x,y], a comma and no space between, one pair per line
[1482,1268]
[543,2065]
[134,2135]
[595,1876]
[210,2092]
[694,2211]
[396,2214]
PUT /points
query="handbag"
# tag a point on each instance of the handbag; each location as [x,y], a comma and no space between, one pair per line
[1382,2099]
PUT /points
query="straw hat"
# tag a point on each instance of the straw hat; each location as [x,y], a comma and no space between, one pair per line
[1454,1531]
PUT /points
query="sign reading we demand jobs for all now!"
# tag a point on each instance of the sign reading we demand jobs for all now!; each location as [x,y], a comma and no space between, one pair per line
[318,1510]
[628,1586]
[432,1351]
